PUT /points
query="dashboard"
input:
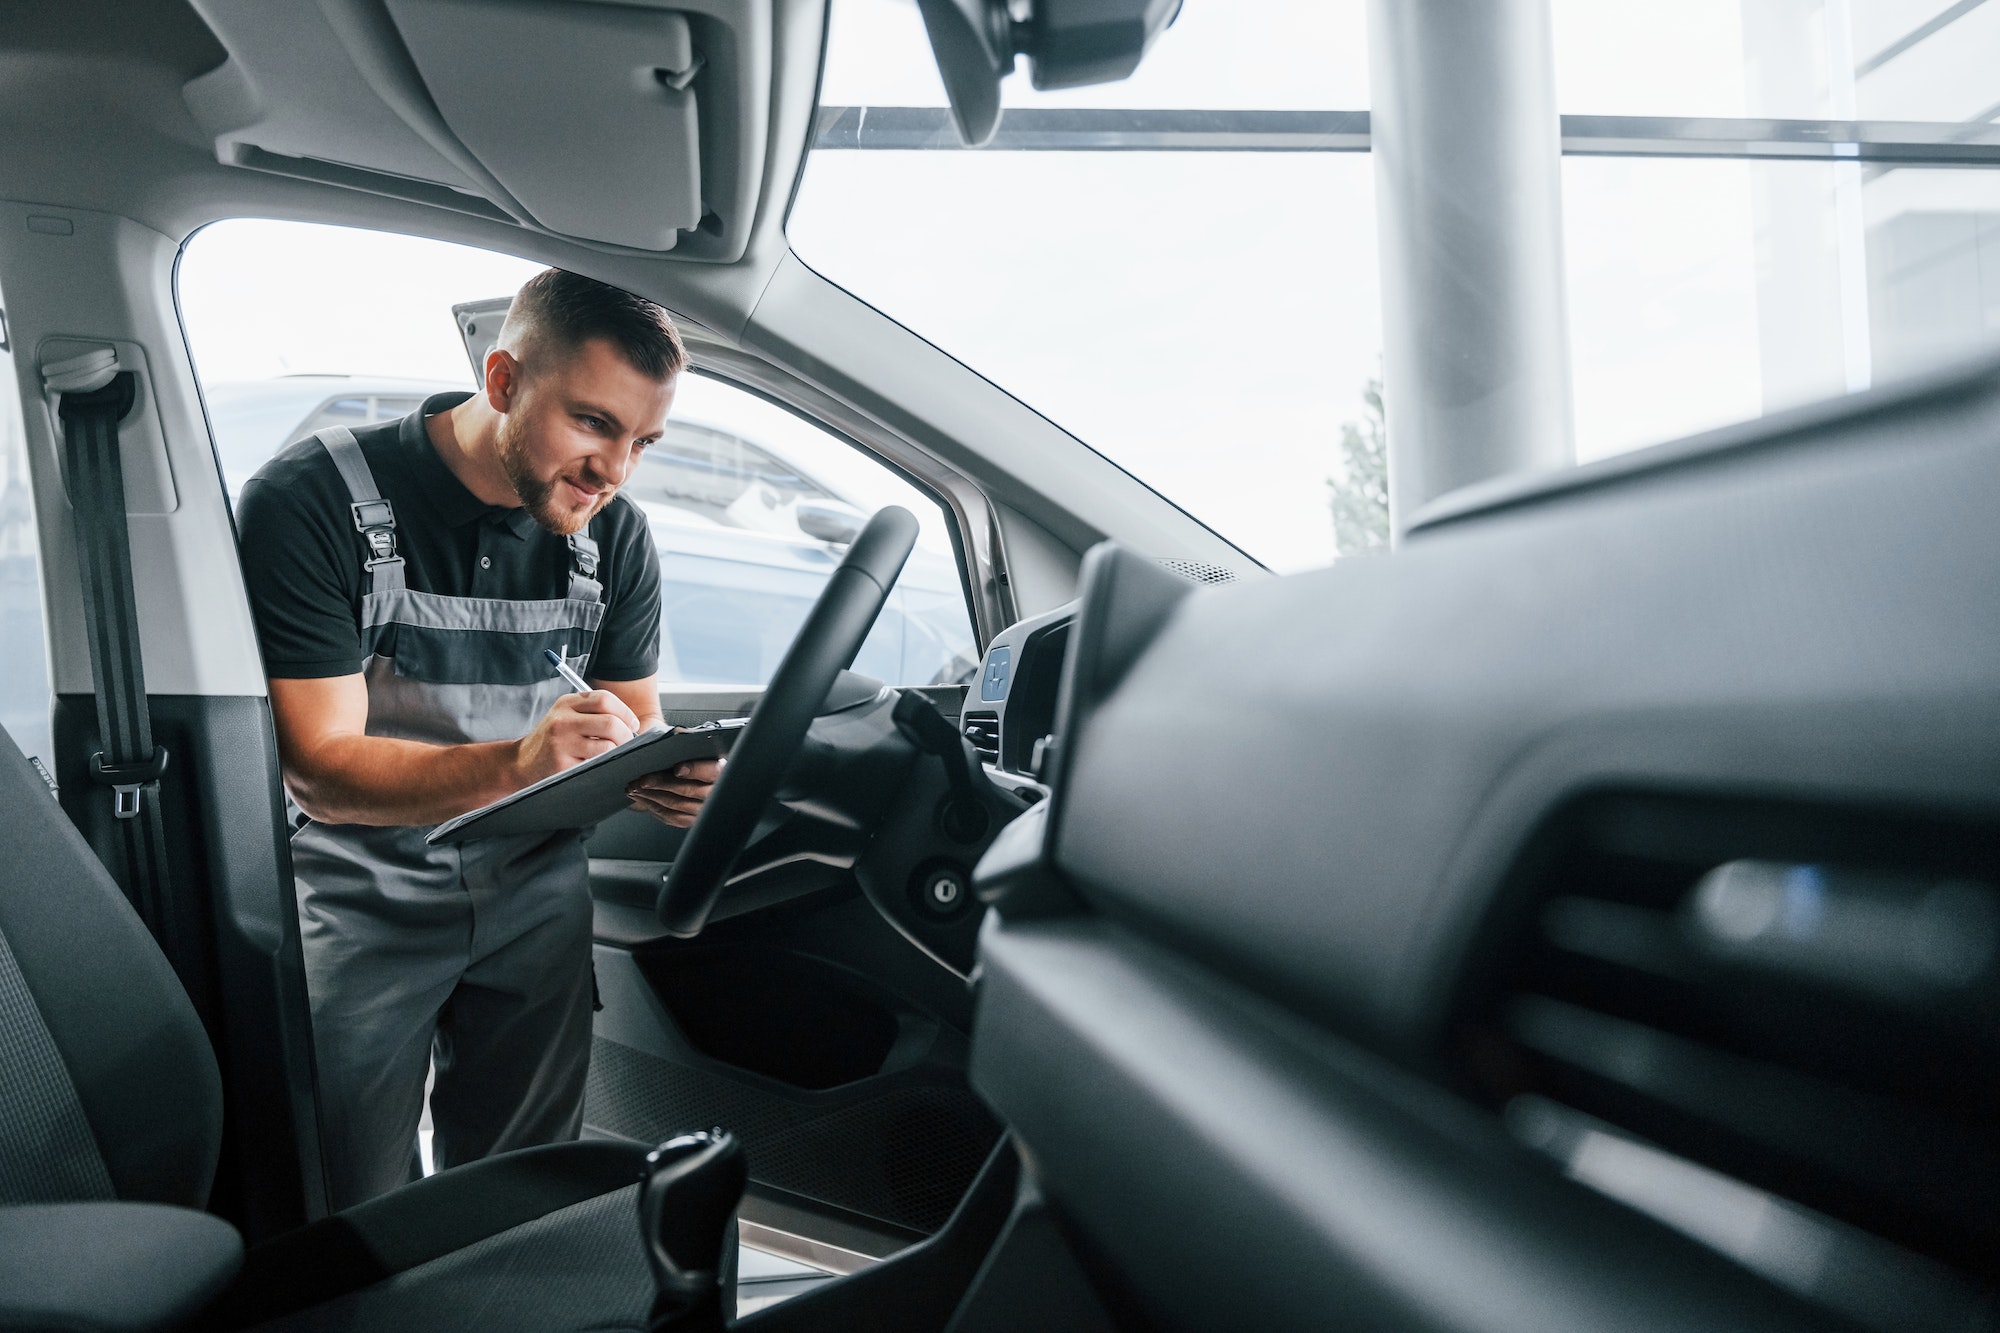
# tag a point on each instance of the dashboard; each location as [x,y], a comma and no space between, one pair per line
[1010,710]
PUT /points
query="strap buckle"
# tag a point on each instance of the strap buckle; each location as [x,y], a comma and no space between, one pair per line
[375,520]
[126,780]
[584,552]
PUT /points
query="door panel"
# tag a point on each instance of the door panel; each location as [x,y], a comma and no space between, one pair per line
[799,1019]
[849,1094]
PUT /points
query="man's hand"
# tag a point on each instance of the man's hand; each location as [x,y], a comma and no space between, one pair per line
[339,774]
[675,796]
[576,727]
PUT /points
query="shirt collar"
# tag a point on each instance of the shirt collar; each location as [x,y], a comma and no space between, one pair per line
[454,505]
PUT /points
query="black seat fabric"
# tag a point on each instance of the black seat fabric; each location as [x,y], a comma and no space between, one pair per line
[109,1091]
[99,1036]
[578,1267]
[563,1216]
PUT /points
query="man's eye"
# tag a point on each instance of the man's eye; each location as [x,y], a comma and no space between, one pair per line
[591,423]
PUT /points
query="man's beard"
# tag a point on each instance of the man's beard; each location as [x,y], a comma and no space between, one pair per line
[538,496]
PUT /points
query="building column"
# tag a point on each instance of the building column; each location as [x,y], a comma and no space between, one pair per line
[1468,174]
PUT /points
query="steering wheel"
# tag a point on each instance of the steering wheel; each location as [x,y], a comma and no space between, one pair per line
[825,646]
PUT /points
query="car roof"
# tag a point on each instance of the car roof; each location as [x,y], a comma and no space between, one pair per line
[178,115]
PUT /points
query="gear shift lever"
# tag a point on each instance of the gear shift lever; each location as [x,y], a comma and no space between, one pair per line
[688,1191]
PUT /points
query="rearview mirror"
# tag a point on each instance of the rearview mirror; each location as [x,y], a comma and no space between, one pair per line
[830,521]
[1067,42]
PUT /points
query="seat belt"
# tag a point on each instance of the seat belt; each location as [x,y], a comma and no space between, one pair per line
[95,396]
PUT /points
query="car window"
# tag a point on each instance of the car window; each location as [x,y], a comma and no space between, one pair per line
[298,327]
[357,410]
[24,679]
[719,476]
[751,507]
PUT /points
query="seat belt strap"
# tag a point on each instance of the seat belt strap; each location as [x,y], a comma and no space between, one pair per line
[374,517]
[131,764]
[583,584]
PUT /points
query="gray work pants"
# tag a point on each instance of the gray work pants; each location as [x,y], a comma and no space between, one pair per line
[475,957]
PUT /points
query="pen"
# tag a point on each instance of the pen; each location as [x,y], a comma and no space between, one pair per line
[576,682]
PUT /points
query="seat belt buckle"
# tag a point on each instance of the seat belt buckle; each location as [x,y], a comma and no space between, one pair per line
[375,520]
[127,780]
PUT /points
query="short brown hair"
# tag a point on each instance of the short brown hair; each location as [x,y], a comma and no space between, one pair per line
[565,310]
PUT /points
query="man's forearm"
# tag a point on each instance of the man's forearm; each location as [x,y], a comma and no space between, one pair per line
[379,780]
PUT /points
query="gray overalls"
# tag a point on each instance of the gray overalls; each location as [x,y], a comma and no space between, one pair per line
[475,956]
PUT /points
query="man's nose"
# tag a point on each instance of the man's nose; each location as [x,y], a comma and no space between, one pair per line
[613,465]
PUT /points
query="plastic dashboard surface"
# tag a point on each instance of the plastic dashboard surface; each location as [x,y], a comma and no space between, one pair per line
[1803,608]
[1013,704]
[1446,847]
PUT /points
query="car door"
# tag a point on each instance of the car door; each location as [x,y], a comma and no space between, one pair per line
[799,1019]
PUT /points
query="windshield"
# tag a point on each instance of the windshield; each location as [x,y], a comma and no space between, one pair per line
[1181,269]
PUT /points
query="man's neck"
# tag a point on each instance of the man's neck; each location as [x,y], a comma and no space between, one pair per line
[467,438]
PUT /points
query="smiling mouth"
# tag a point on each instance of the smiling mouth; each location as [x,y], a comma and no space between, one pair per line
[584,493]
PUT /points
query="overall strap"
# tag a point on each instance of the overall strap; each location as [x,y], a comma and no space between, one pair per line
[583,584]
[374,518]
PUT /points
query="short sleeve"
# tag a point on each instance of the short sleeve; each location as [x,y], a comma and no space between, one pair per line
[303,580]
[628,645]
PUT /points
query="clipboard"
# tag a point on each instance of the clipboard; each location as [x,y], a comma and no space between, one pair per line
[594,790]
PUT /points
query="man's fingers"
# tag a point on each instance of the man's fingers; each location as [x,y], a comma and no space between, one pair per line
[656,801]
[679,813]
[693,777]
[600,726]
[666,783]
[701,770]
[604,701]
[573,745]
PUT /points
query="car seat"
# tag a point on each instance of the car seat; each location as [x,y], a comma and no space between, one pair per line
[110,1127]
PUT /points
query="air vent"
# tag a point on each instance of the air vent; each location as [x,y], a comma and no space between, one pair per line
[1782,1016]
[983,730]
[1197,571]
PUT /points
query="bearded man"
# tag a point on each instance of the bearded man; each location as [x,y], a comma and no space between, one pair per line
[406,579]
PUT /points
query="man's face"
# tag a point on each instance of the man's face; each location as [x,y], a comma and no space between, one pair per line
[573,429]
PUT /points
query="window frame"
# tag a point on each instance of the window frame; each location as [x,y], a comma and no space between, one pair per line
[977,542]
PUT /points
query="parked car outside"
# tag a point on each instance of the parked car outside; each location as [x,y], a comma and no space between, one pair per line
[746,537]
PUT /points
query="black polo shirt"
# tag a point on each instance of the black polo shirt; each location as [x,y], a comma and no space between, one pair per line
[302,558]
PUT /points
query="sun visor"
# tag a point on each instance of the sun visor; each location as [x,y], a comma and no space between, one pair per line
[586,113]
[629,125]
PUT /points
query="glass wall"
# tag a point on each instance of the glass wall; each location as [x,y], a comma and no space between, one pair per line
[1825,249]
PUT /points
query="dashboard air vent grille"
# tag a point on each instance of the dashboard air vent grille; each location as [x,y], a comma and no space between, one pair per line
[1786,1011]
[983,730]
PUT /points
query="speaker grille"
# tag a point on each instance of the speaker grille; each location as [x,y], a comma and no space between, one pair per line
[1197,571]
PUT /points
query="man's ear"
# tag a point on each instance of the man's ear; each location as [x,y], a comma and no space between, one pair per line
[503,379]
